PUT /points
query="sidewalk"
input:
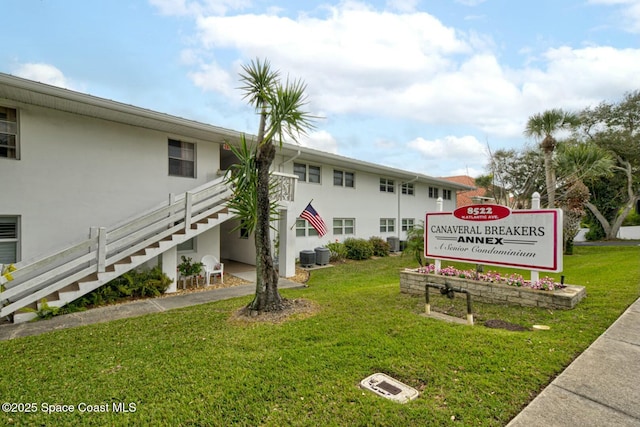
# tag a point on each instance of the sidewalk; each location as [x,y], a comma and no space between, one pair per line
[600,388]
[131,309]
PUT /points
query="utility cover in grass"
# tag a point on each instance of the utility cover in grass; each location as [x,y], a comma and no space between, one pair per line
[389,388]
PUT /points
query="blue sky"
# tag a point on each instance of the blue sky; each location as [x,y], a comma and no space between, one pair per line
[421,85]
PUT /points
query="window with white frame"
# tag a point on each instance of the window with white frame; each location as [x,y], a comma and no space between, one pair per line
[304,228]
[8,133]
[182,158]
[446,194]
[343,179]
[408,224]
[342,226]
[307,173]
[433,192]
[387,225]
[387,185]
[407,188]
[9,239]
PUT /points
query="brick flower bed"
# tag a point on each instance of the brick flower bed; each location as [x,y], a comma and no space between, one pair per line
[412,282]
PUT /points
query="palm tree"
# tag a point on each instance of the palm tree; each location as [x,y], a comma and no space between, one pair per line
[578,163]
[279,106]
[543,126]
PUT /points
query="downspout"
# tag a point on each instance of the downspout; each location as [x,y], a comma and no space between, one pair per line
[291,159]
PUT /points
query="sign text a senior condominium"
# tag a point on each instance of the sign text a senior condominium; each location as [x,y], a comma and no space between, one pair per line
[496,235]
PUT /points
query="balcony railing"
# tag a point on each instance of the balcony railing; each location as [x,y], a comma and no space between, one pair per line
[284,186]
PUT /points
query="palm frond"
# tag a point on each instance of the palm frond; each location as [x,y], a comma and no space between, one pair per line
[258,82]
[287,117]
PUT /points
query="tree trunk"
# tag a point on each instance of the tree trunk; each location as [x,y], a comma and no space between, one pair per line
[267,297]
[611,229]
[606,227]
[550,178]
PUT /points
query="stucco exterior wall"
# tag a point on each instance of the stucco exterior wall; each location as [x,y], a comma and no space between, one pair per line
[364,202]
[75,172]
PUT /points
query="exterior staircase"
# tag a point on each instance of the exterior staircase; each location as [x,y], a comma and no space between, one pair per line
[68,274]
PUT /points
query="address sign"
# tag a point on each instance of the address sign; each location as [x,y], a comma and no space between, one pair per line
[496,235]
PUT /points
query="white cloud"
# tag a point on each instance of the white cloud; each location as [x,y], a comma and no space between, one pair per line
[409,65]
[402,5]
[449,147]
[436,157]
[320,140]
[215,78]
[580,77]
[353,42]
[43,73]
[628,14]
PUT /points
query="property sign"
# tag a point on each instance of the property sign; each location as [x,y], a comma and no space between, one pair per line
[496,235]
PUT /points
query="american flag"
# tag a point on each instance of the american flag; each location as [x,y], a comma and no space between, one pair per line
[314,219]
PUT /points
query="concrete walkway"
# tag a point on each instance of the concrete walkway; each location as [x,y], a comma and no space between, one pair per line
[132,309]
[600,388]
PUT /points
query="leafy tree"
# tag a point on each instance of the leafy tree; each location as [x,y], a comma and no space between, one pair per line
[415,243]
[616,129]
[279,105]
[243,177]
[513,176]
[543,126]
[576,164]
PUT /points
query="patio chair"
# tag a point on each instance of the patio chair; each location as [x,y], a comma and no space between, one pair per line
[212,267]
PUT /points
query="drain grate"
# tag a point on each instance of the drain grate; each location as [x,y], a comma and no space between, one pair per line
[389,388]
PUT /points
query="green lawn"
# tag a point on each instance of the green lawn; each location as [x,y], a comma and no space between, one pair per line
[193,367]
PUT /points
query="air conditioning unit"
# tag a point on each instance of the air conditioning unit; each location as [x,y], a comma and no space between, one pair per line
[307,259]
[322,256]
[394,244]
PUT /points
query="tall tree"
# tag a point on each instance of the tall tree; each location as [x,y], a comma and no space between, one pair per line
[615,127]
[513,176]
[543,127]
[279,105]
[578,163]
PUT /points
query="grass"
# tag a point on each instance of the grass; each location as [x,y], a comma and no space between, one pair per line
[193,366]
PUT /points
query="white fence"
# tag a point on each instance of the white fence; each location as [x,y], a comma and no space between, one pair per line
[626,233]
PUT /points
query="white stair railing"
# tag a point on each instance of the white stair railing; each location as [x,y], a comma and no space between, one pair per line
[39,278]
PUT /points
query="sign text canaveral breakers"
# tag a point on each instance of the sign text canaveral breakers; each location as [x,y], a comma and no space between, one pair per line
[495,235]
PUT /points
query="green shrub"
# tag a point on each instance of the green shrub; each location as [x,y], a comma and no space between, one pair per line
[414,246]
[595,233]
[632,219]
[380,246]
[338,251]
[145,283]
[358,249]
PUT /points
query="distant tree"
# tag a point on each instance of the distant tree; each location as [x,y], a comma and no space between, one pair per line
[280,108]
[615,127]
[513,176]
[543,127]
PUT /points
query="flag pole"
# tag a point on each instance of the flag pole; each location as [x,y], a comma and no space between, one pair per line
[294,222]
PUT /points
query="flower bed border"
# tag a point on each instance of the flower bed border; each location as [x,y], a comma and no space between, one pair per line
[412,282]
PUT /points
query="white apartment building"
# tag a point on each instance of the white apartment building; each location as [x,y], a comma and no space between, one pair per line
[79,172]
